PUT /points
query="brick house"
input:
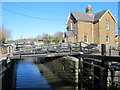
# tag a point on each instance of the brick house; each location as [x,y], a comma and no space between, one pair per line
[91,28]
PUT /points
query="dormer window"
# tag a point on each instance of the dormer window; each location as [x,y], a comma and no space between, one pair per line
[107,24]
[72,26]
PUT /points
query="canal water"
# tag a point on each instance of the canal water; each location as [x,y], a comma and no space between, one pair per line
[30,73]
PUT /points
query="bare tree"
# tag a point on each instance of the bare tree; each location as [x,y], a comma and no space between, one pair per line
[47,39]
[4,34]
[58,37]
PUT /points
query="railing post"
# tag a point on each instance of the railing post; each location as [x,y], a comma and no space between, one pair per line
[70,47]
[34,51]
[105,66]
[59,47]
[92,77]
[112,76]
[20,54]
[47,50]
[110,51]
[80,47]
[103,49]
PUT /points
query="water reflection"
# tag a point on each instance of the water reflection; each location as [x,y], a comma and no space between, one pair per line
[54,80]
[28,75]
[31,73]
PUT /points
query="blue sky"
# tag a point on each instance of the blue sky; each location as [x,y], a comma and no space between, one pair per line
[30,19]
[60,0]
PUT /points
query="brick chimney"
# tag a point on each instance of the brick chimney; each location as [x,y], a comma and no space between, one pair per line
[89,9]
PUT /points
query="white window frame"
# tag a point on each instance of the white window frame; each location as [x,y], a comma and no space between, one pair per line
[107,38]
[86,39]
[107,25]
[72,25]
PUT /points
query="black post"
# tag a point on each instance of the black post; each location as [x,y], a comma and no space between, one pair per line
[92,71]
[20,54]
[105,66]
[103,49]
[105,74]
[80,47]
[70,47]
[47,50]
[110,51]
[112,76]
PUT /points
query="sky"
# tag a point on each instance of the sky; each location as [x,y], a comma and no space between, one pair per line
[60,0]
[30,19]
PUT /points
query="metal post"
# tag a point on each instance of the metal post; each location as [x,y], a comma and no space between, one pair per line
[92,71]
[80,47]
[70,48]
[110,51]
[58,47]
[105,75]
[47,50]
[19,53]
[34,51]
[103,49]
[112,76]
[105,65]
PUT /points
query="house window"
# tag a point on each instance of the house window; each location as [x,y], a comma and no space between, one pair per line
[85,38]
[107,24]
[72,26]
[107,39]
